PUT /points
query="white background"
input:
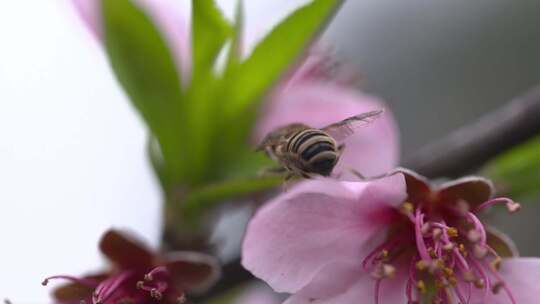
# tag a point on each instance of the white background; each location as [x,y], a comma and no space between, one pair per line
[72,160]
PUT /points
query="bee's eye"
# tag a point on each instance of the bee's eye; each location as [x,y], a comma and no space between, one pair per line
[324,166]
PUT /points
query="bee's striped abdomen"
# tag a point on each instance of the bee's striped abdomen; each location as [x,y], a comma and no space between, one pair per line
[316,149]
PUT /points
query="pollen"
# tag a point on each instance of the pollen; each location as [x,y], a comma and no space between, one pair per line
[452,232]
[421,286]
[407,207]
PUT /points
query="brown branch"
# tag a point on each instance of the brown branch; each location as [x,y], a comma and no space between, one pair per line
[471,146]
[458,153]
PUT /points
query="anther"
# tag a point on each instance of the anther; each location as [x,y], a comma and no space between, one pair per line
[421,286]
[480,251]
[148,277]
[181,299]
[497,287]
[513,206]
[437,232]
[140,285]
[407,207]
[448,247]
[452,232]
[156,294]
[45,282]
[425,228]
[421,265]
[496,263]
[452,280]
[473,236]
[383,271]
[462,250]
[448,271]
[468,276]
[480,284]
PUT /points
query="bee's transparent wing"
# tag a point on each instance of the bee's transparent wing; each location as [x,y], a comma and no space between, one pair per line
[345,128]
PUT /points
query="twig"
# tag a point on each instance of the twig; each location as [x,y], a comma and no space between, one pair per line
[471,146]
[458,153]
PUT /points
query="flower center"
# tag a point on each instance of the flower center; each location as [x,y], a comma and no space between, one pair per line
[124,287]
[447,254]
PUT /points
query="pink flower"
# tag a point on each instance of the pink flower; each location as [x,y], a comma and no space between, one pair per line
[138,276]
[393,240]
[317,92]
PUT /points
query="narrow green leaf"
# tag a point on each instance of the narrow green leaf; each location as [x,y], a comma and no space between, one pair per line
[234,55]
[210,31]
[517,171]
[146,70]
[277,51]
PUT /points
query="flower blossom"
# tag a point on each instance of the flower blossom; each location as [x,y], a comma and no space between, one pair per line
[138,276]
[316,92]
[398,239]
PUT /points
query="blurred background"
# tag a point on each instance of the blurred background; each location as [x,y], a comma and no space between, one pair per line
[72,160]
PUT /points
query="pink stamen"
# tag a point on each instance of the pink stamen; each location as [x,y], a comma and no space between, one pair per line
[483,276]
[108,287]
[388,245]
[83,281]
[478,226]
[158,270]
[377,290]
[505,287]
[510,204]
[420,245]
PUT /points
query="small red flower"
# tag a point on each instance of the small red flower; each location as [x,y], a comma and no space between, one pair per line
[139,276]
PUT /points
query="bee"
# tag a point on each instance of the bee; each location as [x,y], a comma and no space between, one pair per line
[307,152]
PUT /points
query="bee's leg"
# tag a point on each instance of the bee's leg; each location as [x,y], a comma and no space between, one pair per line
[286,181]
[272,171]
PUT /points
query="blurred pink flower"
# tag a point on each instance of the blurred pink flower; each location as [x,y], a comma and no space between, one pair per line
[316,92]
[391,240]
[138,276]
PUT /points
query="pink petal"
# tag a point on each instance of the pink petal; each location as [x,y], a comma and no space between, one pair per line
[192,271]
[166,15]
[521,276]
[323,222]
[125,251]
[363,291]
[473,189]
[372,150]
[502,243]
[418,186]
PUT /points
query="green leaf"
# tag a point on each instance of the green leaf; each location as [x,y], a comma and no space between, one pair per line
[277,51]
[147,71]
[234,55]
[516,172]
[210,31]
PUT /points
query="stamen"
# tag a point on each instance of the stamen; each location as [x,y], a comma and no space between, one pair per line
[109,286]
[510,204]
[181,299]
[480,251]
[420,245]
[377,290]
[150,276]
[83,281]
[503,286]
[421,286]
